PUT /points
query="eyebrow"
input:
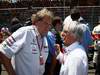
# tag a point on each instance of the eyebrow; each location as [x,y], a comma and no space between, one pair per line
[46,22]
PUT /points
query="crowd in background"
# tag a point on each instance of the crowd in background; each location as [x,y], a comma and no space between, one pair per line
[75,28]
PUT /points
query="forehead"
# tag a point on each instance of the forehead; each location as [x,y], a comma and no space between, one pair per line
[47,18]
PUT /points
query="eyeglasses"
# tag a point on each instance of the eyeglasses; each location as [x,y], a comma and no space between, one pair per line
[46,23]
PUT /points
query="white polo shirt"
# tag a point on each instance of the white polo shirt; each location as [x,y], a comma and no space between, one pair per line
[74,59]
[23,45]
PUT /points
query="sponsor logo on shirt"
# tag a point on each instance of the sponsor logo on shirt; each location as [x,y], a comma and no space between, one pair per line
[10,40]
[34,51]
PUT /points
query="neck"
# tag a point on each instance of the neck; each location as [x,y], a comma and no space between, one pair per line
[38,31]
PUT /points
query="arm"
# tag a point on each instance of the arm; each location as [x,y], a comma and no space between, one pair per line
[7,64]
[59,54]
[10,47]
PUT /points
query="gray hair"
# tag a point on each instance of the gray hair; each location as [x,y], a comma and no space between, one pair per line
[76,28]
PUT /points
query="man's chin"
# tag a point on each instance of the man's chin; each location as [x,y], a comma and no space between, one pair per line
[65,44]
[44,35]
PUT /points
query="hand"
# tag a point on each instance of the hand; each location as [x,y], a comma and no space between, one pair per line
[57,47]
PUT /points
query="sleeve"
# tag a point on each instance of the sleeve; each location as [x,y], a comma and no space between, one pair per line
[13,43]
[51,42]
[76,67]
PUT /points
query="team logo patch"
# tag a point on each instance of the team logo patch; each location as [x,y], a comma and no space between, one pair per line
[4,45]
[34,51]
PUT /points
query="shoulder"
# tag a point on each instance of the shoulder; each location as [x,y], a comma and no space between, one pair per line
[23,31]
[26,28]
[79,51]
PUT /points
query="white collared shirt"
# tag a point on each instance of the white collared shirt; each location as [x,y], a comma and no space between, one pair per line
[75,60]
[23,45]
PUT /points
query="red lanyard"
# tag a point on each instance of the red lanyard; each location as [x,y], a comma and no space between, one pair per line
[40,50]
[39,46]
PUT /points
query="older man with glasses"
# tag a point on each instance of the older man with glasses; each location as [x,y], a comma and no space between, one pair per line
[29,46]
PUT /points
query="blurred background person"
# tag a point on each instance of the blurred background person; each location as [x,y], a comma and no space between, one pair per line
[15,24]
[53,65]
[1,39]
[28,22]
[57,25]
[5,32]
[96,57]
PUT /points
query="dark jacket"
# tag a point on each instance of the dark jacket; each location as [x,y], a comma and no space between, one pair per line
[14,27]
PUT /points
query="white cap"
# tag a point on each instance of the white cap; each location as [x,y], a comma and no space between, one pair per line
[96,30]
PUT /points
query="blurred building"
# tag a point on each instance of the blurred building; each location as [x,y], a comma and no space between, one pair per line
[25,3]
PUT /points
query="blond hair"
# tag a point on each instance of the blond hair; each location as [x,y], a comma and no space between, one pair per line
[41,14]
[33,18]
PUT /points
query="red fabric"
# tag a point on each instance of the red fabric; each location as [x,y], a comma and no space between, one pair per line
[62,50]
[95,36]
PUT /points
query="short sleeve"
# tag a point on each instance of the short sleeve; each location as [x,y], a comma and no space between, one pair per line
[13,43]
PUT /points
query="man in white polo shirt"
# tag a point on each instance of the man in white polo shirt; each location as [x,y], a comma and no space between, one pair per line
[73,59]
[28,45]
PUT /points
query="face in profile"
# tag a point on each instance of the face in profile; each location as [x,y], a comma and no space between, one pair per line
[66,37]
[45,25]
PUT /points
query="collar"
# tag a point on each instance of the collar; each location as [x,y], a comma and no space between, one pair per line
[71,47]
[36,30]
